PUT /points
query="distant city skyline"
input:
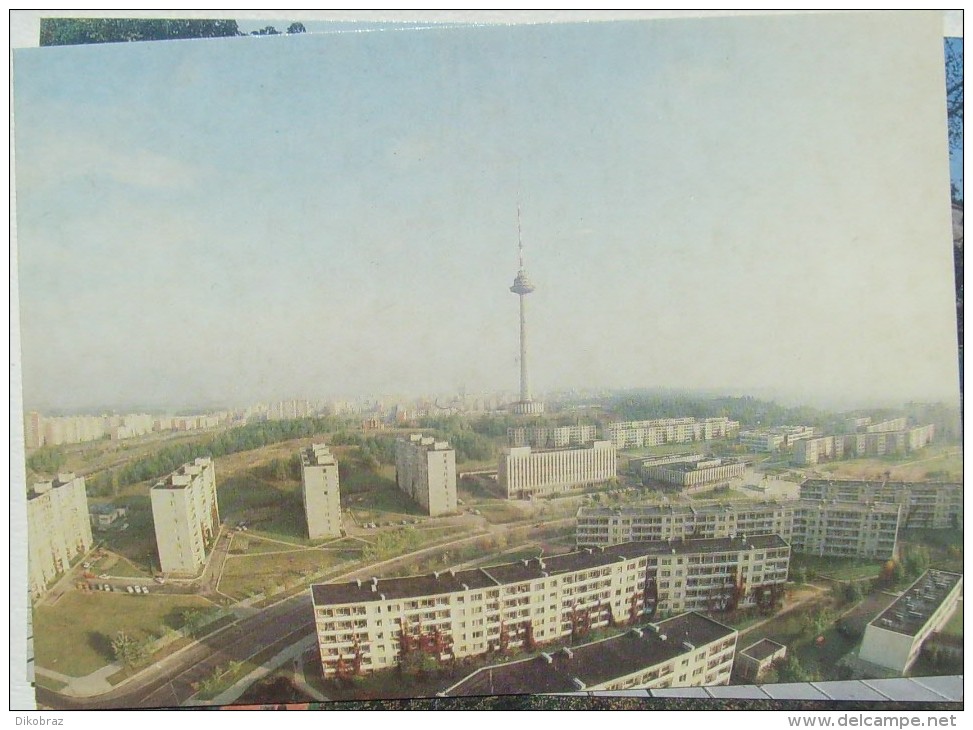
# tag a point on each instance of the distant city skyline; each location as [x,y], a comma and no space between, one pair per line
[733,205]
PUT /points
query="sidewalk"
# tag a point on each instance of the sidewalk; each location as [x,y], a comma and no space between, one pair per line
[95,683]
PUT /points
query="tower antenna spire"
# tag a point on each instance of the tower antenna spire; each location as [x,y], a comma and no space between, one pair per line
[520,238]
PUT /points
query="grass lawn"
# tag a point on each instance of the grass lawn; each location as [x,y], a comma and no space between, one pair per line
[55,685]
[837,568]
[245,575]
[74,635]
[954,627]
[502,512]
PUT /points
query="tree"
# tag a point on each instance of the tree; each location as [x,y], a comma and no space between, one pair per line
[75,31]
[127,650]
[296,28]
[266,30]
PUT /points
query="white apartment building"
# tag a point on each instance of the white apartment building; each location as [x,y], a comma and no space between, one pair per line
[894,638]
[636,434]
[892,424]
[880,443]
[58,529]
[320,492]
[817,527]
[524,473]
[369,625]
[186,516]
[689,650]
[938,505]
[425,469]
[775,439]
[808,452]
[552,437]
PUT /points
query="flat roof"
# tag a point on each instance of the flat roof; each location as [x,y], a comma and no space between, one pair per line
[762,649]
[913,609]
[524,570]
[738,505]
[595,663]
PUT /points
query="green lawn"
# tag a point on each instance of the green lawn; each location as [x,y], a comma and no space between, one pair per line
[245,575]
[501,512]
[837,568]
[954,627]
[73,636]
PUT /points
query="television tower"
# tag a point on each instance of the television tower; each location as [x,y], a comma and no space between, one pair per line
[522,287]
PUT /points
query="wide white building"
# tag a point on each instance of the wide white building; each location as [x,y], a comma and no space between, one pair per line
[425,469]
[552,437]
[937,505]
[373,624]
[186,516]
[524,473]
[893,639]
[653,432]
[58,529]
[694,473]
[320,492]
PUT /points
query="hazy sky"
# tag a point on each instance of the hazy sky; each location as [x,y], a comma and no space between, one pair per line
[748,204]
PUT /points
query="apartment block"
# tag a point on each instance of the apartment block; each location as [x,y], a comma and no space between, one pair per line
[694,473]
[880,443]
[818,527]
[892,424]
[808,452]
[186,516]
[552,437]
[58,529]
[894,638]
[775,439]
[846,529]
[320,492]
[524,473]
[636,434]
[689,650]
[425,469]
[368,625]
[937,505]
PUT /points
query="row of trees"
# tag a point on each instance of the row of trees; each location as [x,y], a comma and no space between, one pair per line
[78,31]
[644,405]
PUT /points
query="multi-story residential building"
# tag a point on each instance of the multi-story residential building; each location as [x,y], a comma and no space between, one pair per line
[820,448]
[33,430]
[186,516]
[880,443]
[689,650]
[892,424]
[425,469]
[320,492]
[524,473]
[938,505]
[695,472]
[636,434]
[846,529]
[776,438]
[369,625]
[603,526]
[552,437]
[288,409]
[894,638]
[818,527]
[58,529]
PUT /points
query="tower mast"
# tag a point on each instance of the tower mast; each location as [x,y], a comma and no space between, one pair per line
[522,286]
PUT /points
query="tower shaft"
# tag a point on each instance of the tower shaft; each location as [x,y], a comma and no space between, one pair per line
[524,382]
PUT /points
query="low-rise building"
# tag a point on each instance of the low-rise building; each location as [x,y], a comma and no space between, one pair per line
[754,661]
[320,492]
[104,516]
[425,469]
[58,529]
[368,625]
[694,473]
[894,638]
[937,505]
[524,473]
[186,516]
[689,650]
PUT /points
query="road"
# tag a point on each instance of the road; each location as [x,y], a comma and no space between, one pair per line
[169,683]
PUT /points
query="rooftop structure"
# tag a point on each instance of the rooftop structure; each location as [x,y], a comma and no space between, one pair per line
[684,651]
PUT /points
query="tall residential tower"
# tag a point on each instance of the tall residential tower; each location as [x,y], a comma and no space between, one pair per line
[522,287]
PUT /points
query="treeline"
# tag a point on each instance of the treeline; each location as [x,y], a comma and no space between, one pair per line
[373,450]
[746,409]
[77,31]
[242,438]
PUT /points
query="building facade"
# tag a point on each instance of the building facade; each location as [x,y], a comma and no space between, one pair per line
[894,638]
[551,437]
[368,625]
[320,492]
[524,473]
[694,473]
[58,529]
[936,505]
[654,432]
[808,452]
[186,516]
[425,469]
[689,650]
[775,439]
[817,527]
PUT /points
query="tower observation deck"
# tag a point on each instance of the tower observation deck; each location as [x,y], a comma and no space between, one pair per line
[522,286]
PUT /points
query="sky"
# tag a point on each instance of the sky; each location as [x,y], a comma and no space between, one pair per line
[748,204]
